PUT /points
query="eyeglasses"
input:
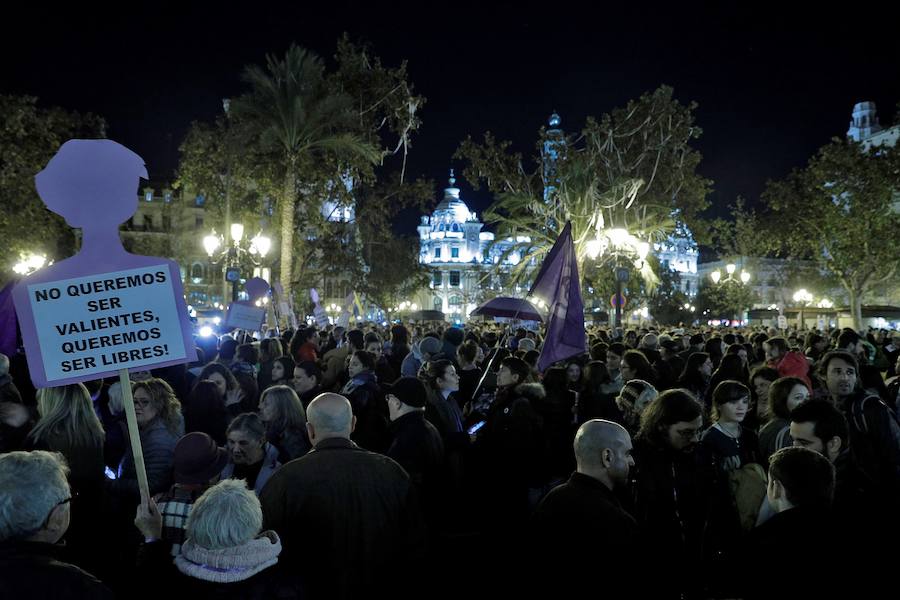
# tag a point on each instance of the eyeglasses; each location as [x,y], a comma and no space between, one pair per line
[60,503]
[687,434]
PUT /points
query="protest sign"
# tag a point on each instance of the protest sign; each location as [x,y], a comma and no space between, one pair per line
[104,310]
[246,315]
[94,325]
[242,316]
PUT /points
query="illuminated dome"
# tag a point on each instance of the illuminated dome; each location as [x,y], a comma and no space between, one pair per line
[451,209]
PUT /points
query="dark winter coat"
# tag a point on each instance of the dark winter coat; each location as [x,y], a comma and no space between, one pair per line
[31,570]
[346,518]
[513,436]
[291,443]
[418,448]
[579,510]
[370,410]
[158,445]
[671,504]
[874,439]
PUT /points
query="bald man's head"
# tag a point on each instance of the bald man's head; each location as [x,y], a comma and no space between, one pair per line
[330,415]
[603,450]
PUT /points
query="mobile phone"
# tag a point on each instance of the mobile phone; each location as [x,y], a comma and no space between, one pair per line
[476,427]
[110,474]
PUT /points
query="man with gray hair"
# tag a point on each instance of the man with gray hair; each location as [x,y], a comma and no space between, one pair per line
[585,510]
[346,516]
[34,515]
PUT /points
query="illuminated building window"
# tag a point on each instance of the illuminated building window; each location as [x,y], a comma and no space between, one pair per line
[454,252]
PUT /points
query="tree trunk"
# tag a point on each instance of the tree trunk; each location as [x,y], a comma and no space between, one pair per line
[856,309]
[288,204]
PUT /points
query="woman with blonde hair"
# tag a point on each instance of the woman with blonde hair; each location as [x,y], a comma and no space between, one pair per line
[285,418]
[68,425]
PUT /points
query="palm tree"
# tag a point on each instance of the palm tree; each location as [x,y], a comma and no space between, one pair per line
[291,111]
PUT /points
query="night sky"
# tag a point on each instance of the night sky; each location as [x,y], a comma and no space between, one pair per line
[772,84]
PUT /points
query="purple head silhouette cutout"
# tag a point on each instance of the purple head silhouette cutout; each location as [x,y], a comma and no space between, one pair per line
[256,288]
[92,184]
[103,309]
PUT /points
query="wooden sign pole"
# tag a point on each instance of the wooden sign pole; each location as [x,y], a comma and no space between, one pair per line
[134,434]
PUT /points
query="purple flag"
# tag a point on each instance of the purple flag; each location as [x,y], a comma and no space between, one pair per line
[558,284]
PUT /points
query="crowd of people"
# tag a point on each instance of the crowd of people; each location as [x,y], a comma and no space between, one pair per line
[666,462]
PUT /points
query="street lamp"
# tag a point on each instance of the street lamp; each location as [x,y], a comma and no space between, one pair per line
[741,278]
[804,299]
[30,263]
[230,255]
[730,268]
[618,243]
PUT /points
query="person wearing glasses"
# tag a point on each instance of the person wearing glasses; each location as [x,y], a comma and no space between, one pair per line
[34,515]
[671,489]
[158,414]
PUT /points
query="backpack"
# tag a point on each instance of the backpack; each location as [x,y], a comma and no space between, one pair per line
[858,415]
[748,488]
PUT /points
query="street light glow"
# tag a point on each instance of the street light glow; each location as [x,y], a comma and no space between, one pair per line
[237,231]
[261,244]
[211,243]
[716,276]
[31,263]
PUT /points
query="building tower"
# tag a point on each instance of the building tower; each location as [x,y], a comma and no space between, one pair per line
[553,151]
[865,122]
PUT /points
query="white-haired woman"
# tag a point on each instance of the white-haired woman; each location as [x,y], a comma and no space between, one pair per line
[225,553]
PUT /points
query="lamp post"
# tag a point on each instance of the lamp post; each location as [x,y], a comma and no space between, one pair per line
[804,299]
[619,245]
[230,255]
[730,268]
[732,276]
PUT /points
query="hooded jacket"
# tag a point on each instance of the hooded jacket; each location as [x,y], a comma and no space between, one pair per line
[792,364]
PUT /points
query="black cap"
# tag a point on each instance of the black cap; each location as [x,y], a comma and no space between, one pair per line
[409,391]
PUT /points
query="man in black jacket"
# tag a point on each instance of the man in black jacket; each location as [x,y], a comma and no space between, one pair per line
[800,490]
[416,444]
[346,516]
[874,430]
[34,515]
[585,510]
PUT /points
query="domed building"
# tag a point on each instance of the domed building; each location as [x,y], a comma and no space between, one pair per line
[453,245]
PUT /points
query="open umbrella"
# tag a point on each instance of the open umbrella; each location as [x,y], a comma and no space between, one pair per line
[511,308]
